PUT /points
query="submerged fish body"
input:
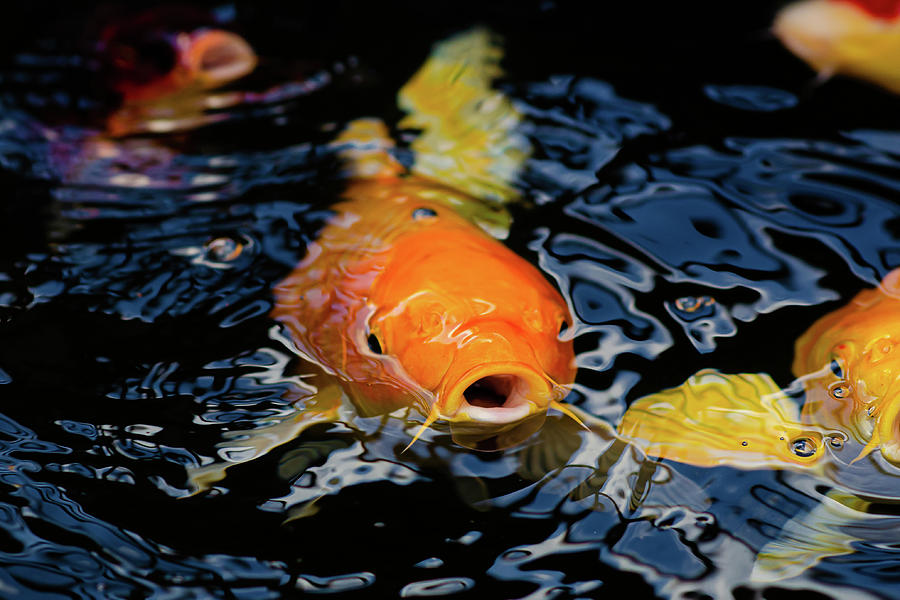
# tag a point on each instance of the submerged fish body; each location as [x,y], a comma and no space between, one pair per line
[408,303]
[860,38]
[849,363]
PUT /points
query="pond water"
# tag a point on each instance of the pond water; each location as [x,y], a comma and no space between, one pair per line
[699,198]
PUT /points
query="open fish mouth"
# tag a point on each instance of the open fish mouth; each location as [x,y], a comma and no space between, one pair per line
[500,438]
[494,395]
[497,405]
[220,56]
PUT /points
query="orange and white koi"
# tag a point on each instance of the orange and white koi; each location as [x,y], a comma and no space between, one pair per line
[860,38]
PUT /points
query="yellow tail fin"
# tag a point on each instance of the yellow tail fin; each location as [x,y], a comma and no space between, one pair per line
[712,419]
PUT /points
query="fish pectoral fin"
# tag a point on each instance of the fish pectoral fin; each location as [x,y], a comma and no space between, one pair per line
[301,511]
[742,420]
[806,540]
[242,446]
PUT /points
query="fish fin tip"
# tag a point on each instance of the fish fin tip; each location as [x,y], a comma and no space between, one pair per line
[823,75]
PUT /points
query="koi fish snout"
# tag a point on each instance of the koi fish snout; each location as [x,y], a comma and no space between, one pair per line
[496,406]
[809,30]
[501,395]
[216,57]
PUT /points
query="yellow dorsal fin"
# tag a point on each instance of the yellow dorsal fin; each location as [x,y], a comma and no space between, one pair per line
[468,129]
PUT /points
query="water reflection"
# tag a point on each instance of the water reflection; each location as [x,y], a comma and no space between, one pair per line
[137,339]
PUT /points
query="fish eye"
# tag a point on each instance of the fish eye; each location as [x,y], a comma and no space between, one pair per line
[374,344]
[423,213]
[836,368]
[839,391]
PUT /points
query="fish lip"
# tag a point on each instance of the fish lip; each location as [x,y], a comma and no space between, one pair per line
[530,396]
[242,58]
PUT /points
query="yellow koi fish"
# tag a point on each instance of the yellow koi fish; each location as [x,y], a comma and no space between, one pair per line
[848,363]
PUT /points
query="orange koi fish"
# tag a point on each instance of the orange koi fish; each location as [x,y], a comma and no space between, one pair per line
[162,74]
[404,298]
[408,303]
[849,362]
[860,38]
[405,301]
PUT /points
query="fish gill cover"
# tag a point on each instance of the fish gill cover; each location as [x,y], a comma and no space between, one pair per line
[699,201]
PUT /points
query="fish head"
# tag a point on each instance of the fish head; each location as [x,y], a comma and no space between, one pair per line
[478,327]
[214,57]
[854,37]
[849,362]
[151,56]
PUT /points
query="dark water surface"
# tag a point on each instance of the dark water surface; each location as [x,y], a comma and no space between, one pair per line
[680,155]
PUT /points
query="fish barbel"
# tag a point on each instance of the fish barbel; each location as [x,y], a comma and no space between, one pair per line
[408,303]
